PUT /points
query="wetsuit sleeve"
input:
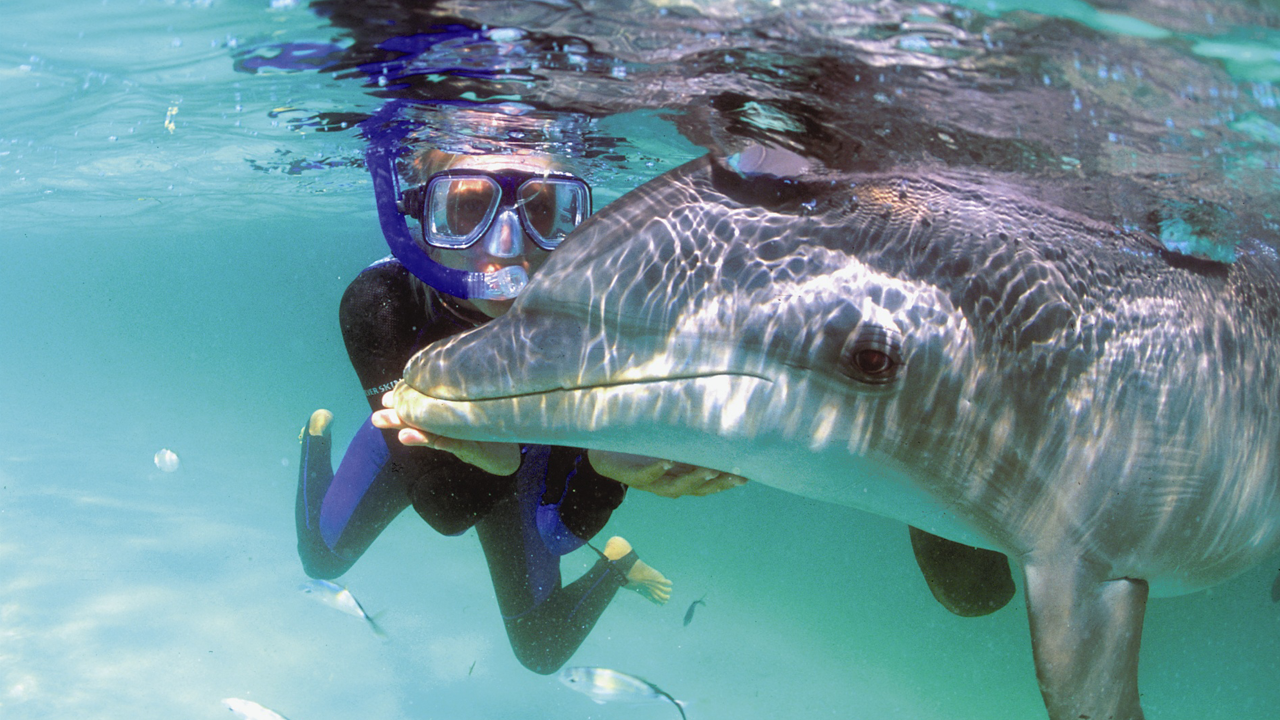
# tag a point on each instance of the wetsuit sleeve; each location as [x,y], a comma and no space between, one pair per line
[385,320]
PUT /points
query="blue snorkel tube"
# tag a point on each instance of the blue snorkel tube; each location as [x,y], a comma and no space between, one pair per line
[384,136]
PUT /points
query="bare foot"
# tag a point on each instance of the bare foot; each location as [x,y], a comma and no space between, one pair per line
[319,423]
[650,583]
[317,426]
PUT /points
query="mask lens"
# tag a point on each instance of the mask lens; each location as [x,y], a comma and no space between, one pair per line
[459,209]
[551,208]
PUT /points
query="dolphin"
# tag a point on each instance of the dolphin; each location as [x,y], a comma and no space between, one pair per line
[927,345]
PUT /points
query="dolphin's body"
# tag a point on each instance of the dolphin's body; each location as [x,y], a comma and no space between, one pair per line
[955,355]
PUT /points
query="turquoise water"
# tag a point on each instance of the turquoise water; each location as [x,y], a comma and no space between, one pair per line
[172,256]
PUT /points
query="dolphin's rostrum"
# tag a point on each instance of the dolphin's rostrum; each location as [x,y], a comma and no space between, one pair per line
[943,351]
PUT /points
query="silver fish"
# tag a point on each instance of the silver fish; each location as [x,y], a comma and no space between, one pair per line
[604,685]
[250,710]
[340,598]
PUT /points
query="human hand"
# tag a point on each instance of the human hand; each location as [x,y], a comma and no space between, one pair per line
[661,477]
[498,458]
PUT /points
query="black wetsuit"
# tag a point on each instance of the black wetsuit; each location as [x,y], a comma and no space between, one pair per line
[525,521]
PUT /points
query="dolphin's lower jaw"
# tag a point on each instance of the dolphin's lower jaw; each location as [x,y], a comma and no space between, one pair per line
[538,417]
[734,423]
[765,429]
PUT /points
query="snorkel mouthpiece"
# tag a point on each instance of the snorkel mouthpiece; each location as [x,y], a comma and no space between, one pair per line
[503,284]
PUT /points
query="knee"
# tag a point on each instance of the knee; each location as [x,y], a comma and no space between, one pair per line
[538,660]
[442,519]
[322,563]
[538,647]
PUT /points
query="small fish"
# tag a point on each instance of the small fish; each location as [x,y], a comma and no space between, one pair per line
[688,614]
[604,685]
[472,668]
[250,710]
[1275,590]
[340,598]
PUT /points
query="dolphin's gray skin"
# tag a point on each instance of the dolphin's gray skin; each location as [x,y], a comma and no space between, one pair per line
[949,353]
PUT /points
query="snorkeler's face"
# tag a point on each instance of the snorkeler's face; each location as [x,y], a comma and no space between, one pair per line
[504,243]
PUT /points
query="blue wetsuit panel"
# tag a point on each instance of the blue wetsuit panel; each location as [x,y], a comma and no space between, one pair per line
[542,567]
[360,466]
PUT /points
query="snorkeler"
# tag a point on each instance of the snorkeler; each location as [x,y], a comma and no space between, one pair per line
[487,223]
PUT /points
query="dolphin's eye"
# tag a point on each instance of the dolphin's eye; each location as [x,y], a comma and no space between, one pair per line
[872,355]
[873,362]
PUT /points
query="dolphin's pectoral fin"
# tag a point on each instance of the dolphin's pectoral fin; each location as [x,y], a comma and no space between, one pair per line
[968,581]
[1085,633]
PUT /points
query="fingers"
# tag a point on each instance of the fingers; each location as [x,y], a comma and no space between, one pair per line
[650,477]
[493,457]
[697,481]
[718,482]
[685,483]
[658,483]
[637,471]
[496,458]
[617,459]
[390,420]
[414,437]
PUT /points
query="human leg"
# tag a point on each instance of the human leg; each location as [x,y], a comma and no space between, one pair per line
[546,622]
[339,514]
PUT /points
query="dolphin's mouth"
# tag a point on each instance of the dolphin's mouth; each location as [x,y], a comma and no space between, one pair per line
[458,395]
